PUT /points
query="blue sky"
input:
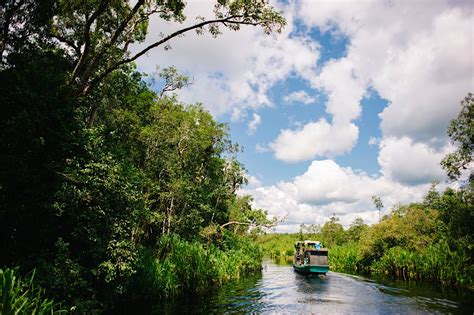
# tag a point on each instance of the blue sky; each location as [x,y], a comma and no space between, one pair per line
[351,100]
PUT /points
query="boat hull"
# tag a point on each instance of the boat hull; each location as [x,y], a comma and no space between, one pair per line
[311,269]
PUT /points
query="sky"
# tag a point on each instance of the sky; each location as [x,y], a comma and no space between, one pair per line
[351,100]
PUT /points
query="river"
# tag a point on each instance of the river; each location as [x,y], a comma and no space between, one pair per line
[279,290]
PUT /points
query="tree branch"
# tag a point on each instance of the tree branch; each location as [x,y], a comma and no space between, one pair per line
[70,43]
[257,225]
[87,39]
[95,60]
[98,79]
[8,15]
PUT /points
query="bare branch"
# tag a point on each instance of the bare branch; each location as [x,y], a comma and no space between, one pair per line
[235,222]
[268,226]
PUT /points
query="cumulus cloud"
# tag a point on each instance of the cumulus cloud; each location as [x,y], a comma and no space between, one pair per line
[253,124]
[253,181]
[373,141]
[233,72]
[319,138]
[259,148]
[299,97]
[411,163]
[323,138]
[419,63]
[415,64]
[326,188]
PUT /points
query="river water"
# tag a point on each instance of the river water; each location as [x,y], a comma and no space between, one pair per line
[280,290]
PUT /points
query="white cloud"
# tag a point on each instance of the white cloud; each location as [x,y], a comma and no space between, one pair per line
[259,148]
[233,72]
[373,141]
[410,163]
[344,92]
[253,181]
[314,139]
[326,188]
[417,60]
[299,97]
[253,124]
[418,56]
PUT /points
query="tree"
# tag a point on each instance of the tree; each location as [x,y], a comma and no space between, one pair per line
[356,230]
[96,35]
[378,204]
[332,232]
[95,166]
[461,132]
[173,80]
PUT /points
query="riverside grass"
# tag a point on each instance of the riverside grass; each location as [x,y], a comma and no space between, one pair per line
[436,263]
[19,295]
[179,266]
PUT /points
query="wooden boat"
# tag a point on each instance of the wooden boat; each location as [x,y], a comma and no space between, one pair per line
[310,258]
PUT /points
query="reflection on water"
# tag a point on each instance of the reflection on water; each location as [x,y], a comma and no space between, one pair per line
[278,289]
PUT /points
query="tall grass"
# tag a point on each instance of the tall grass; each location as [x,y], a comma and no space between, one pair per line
[179,266]
[20,296]
[437,263]
[344,258]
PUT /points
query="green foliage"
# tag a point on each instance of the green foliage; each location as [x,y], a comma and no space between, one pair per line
[344,258]
[428,241]
[436,263]
[279,247]
[461,132]
[81,202]
[173,80]
[332,233]
[96,169]
[20,295]
[357,229]
[245,218]
[178,266]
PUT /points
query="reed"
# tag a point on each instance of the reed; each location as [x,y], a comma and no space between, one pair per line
[437,263]
[344,258]
[20,296]
[179,266]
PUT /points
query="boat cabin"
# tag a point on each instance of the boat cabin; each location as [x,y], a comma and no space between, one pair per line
[310,253]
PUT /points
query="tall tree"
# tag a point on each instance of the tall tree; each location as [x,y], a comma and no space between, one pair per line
[96,35]
[378,204]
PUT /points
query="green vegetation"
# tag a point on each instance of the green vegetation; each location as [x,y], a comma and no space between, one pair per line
[108,188]
[191,266]
[431,240]
[20,296]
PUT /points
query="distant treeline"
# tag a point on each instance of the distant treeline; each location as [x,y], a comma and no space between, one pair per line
[432,240]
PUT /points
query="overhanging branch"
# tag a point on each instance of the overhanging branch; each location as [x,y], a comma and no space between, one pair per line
[268,226]
[230,19]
